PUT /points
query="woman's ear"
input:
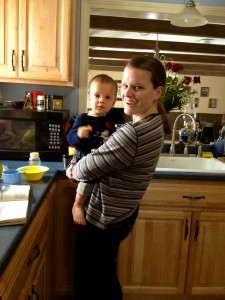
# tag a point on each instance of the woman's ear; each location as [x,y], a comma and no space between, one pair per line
[158,92]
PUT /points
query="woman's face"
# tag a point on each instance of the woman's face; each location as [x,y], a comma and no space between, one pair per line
[138,94]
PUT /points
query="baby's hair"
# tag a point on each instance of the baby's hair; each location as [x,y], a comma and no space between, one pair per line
[104,78]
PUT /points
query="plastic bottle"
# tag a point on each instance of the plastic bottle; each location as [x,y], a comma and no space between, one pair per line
[40,102]
[34,159]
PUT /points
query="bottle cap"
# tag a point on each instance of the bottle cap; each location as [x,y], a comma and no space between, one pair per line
[34,154]
[40,97]
[71,150]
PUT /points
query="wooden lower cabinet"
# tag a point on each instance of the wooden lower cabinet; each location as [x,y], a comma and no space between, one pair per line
[206,267]
[176,248]
[64,240]
[37,287]
[157,251]
[28,274]
[42,266]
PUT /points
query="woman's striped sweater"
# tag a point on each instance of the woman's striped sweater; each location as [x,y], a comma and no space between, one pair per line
[122,169]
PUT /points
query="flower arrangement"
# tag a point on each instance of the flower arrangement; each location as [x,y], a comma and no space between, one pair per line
[175,95]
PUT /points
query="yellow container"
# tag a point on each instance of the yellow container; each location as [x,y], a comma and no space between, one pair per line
[33,173]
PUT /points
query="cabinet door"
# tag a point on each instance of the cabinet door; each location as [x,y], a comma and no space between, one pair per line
[206,271]
[36,284]
[39,284]
[44,40]
[20,271]
[153,259]
[64,239]
[8,37]
[37,41]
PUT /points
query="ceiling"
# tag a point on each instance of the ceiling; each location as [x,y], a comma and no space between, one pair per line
[115,36]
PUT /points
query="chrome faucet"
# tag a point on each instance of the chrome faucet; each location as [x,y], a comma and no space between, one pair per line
[199,144]
[172,147]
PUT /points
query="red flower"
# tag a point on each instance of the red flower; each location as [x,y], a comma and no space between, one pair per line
[176,68]
[168,66]
[175,96]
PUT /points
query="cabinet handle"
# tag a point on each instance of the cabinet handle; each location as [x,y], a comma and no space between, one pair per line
[193,197]
[186,231]
[38,251]
[22,56]
[35,293]
[13,55]
[196,230]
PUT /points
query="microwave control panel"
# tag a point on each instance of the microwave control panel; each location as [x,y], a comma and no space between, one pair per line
[55,136]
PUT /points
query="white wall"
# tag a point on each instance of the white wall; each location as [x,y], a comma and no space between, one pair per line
[216,91]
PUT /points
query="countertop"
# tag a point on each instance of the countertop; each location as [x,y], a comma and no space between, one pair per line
[10,236]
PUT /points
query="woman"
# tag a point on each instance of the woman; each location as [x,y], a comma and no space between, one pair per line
[122,169]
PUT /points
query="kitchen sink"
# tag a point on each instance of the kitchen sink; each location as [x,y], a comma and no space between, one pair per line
[190,164]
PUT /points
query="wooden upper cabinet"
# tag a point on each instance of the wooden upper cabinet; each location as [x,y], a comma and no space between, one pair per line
[38,38]
[8,37]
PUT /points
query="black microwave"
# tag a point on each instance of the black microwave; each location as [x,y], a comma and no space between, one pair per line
[23,131]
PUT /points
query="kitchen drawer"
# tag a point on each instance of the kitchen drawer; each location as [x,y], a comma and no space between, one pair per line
[185,193]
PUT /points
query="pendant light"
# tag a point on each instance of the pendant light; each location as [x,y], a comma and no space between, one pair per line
[189,17]
[162,57]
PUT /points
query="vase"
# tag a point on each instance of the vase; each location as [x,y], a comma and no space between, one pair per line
[187,135]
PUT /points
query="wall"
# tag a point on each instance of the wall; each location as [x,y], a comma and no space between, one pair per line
[17,91]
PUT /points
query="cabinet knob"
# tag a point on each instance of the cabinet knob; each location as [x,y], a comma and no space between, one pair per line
[22,62]
[13,56]
[193,197]
[35,293]
[186,230]
[38,251]
[196,230]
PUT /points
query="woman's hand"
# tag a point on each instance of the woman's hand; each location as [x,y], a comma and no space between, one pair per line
[69,171]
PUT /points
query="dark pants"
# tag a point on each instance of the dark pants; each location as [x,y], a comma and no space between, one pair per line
[96,252]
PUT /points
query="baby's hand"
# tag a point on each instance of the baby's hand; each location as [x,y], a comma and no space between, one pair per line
[84,131]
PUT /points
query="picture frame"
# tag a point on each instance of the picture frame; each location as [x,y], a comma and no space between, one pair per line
[187,89]
[196,102]
[212,103]
[204,91]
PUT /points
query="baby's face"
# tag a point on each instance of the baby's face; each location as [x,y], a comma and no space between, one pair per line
[102,98]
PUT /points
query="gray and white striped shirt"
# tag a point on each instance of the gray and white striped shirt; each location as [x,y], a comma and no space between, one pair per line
[122,169]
